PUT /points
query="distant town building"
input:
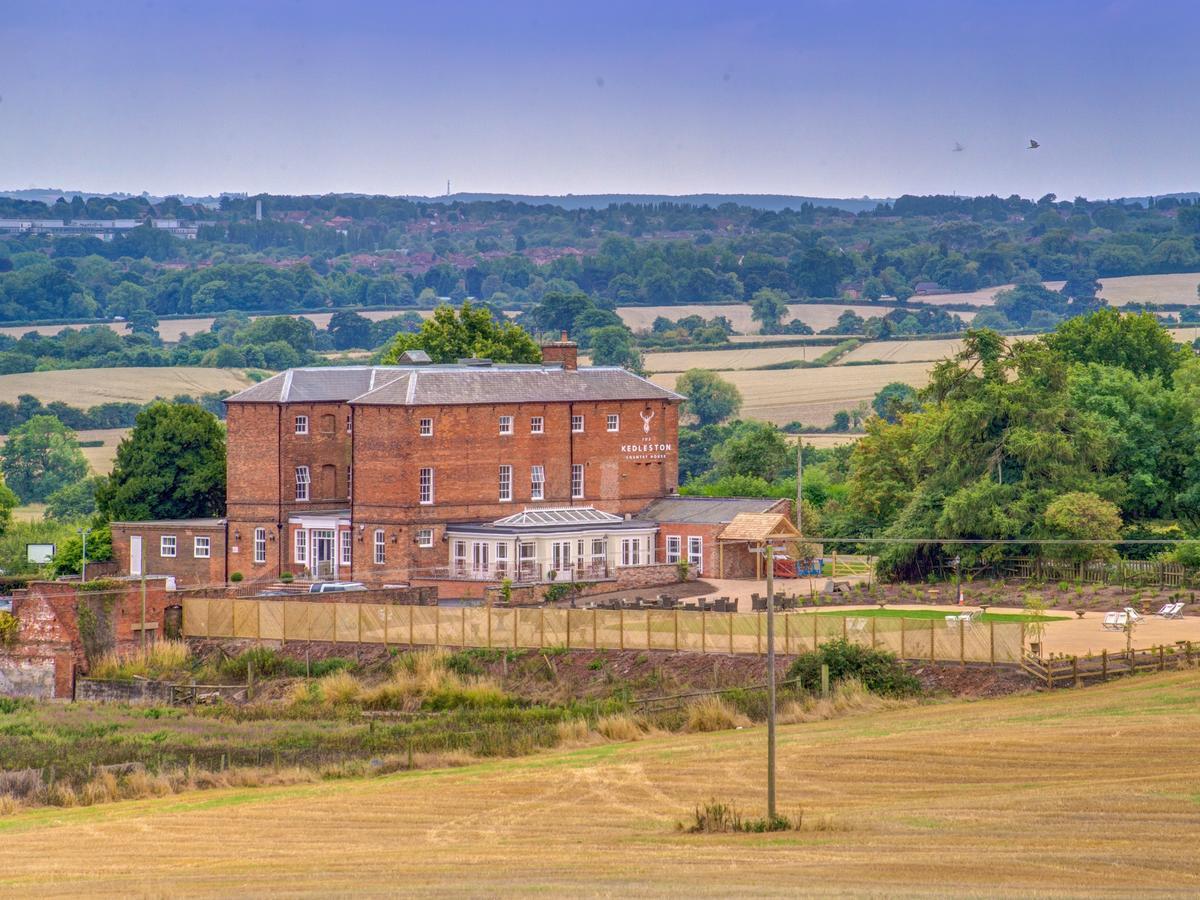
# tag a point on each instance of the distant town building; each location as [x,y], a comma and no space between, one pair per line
[104,229]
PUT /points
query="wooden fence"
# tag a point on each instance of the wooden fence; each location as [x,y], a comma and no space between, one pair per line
[1073,671]
[1125,572]
[595,629]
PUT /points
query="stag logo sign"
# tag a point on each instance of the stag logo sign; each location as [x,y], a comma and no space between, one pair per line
[647,417]
[647,448]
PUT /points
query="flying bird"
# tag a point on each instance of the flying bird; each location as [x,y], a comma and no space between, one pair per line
[1033,145]
[958,148]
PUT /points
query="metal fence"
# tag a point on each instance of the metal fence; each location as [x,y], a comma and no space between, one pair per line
[596,629]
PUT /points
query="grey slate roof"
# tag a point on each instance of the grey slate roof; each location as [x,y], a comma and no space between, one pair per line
[704,510]
[452,384]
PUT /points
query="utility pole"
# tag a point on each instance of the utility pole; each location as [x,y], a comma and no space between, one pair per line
[770,555]
[800,485]
[83,533]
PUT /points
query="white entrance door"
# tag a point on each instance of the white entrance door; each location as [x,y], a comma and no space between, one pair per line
[561,557]
[479,557]
[135,554]
[696,554]
[324,561]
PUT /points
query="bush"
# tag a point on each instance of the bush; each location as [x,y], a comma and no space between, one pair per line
[879,671]
[236,577]
[9,628]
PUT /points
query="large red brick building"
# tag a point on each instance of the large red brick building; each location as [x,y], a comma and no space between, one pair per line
[386,474]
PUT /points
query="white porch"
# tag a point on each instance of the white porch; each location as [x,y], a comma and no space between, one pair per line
[322,545]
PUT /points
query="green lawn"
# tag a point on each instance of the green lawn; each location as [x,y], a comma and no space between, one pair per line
[875,612]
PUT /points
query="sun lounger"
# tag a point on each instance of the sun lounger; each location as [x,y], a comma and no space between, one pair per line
[1115,621]
[856,626]
[1134,616]
[1171,611]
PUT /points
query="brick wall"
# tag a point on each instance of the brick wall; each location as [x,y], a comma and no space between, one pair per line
[735,561]
[185,566]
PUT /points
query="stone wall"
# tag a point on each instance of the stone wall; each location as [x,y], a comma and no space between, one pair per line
[631,579]
[103,690]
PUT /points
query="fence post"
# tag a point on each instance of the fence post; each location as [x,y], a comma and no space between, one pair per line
[621,624]
[787,635]
[410,625]
[488,610]
[1189,654]
[932,641]
[731,634]
[825,680]
[962,642]
[992,642]
[387,618]
[676,631]
[568,628]
[1075,669]
[844,629]
[902,629]
[208,618]
[873,641]
[542,629]
[594,629]
[1050,674]
[649,638]
[814,618]
[703,631]
[463,628]
[437,627]
[1162,659]
[1104,665]
[358,606]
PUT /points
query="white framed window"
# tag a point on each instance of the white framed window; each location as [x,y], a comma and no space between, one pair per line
[427,428]
[577,481]
[380,547]
[166,546]
[426,484]
[349,424]
[537,483]
[202,548]
[631,551]
[696,553]
[301,547]
[501,557]
[537,425]
[260,545]
[613,422]
[302,481]
[506,425]
[576,424]
[347,548]
[301,424]
[599,551]
[505,484]
[459,556]
[674,548]
[424,537]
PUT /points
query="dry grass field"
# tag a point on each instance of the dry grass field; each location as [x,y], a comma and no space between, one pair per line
[903,351]
[812,395]
[1177,288]
[90,387]
[1073,793]
[818,316]
[99,458]
[682,360]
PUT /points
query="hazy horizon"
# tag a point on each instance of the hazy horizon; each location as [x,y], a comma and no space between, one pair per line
[825,98]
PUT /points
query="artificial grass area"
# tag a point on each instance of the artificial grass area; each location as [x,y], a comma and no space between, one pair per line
[874,612]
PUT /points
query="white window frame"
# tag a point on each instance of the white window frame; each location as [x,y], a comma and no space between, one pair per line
[500,557]
[674,548]
[201,541]
[347,540]
[426,428]
[458,558]
[537,483]
[425,537]
[303,484]
[506,494]
[167,546]
[577,481]
[695,545]
[612,422]
[350,424]
[576,424]
[301,424]
[631,552]
[600,544]
[506,424]
[260,545]
[380,541]
[300,547]
[425,486]
[537,425]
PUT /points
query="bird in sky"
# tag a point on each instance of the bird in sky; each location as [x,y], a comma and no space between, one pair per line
[1033,145]
[958,148]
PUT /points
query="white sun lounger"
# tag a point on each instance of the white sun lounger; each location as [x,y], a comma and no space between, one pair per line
[1115,621]
[1134,616]
[1171,611]
[856,626]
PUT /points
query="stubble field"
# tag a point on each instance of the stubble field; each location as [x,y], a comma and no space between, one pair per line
[91,387]
[1072,793]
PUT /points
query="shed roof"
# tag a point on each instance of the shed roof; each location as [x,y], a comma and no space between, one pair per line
[758,528]
[705,510]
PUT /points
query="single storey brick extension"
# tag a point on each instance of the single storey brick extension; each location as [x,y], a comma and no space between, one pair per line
[420,472]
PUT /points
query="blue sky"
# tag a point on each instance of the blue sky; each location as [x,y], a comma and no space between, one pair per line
[818,97]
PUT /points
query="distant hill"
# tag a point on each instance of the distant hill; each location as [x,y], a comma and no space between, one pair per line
[773,202]
[50,195]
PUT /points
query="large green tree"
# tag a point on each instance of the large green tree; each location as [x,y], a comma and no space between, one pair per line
[171,466]
[710,398]
[40,457]
[1133,341]
[450,335]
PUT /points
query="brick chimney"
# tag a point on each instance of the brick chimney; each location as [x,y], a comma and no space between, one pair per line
[564,351]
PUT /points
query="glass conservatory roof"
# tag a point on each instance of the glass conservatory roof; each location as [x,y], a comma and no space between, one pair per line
[563,515]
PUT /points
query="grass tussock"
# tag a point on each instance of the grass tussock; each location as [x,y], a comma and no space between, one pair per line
[339,687]
[573,733]
[713,714]
[622,727]
[725,818]
[156,660]
[847,698]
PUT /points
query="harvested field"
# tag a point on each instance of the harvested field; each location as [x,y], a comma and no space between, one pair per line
[818,316]
[681,361]
[91,387]
[1072,792]
[812,396]
[99,458]
[903,351]
[823,441]
[1173,288]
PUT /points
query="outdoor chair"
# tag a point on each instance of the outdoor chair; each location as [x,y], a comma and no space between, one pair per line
[757,603]
[1115,621]
[1134,616]
[1171,611]
[856,626]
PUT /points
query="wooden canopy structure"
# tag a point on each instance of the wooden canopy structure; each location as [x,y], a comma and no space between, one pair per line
[756,530]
